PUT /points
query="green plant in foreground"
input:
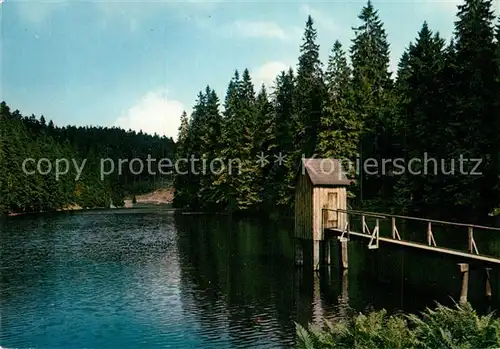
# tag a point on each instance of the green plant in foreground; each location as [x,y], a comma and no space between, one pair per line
[454,328]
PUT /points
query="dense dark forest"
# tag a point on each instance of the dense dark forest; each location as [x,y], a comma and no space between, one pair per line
[24,138]
[442,103]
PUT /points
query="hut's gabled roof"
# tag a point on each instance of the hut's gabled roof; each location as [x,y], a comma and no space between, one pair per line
[327,172]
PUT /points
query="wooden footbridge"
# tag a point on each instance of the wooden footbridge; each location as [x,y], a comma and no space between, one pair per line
[393,236]
[321,216]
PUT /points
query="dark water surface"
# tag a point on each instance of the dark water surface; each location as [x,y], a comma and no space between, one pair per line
[144,278]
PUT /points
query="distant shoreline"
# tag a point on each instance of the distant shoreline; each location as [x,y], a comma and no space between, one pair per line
[68,208]
[160,197]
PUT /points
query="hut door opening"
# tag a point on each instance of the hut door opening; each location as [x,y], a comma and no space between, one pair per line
[332,215]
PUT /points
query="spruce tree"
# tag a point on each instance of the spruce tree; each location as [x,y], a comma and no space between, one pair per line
[420,98]
[195,151]
[230,140]
[402,189]
[475,111]
[310,92]
[246,187]
[371,99]
[210,137]
[308,98]
[283,106]
[340,128]
[180,196]
[3,160]
[265,144]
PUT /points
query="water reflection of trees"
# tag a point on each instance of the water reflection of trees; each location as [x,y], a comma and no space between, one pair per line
[27,254]
[27,251]
[244,277]
[240,276]
[395,278]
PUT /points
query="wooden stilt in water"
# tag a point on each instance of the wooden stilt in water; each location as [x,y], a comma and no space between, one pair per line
[488,283]
[299,252]
[464,270]
[316,254]
[345,283]
[328,249]
[488,289]
[322,256]
[344,258]
[318,311]
[343,299]
[328,276]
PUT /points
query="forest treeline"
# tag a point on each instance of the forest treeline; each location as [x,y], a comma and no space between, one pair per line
[24,138]
[443,102]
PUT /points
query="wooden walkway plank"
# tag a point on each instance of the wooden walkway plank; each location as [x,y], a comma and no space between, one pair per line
[488,259]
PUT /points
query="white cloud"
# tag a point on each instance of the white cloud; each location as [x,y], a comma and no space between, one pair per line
[268,72]
[198,5]
[127,14]
[154,112]
[450,6]
[125,9]
[321,19]
[259,29]
[38,12]
[133,24]
[296,33]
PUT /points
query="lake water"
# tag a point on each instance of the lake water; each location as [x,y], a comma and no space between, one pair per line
[144,278]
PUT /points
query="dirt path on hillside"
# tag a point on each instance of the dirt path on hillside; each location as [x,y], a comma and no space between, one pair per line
[157,197]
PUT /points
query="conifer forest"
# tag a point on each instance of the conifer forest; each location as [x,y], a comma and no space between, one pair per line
[443,102]
[24,138]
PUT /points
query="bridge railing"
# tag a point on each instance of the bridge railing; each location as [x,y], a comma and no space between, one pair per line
[374,220]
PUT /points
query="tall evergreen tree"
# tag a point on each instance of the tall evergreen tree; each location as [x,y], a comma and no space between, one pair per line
[3,160]
[283,107]
[247,192]
[371,98]
[265,144]
[210,136]
[308,99]
[421,102]
[230,139]
[402,190]
[340,127]
[180,197]
[310,92]
[195,152]
[475,110]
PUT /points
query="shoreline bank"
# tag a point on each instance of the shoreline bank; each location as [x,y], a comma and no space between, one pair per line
[159,197]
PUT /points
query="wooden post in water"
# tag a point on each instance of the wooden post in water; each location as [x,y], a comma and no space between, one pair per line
[488,283]
[318,310]
[328,250]
[464,270]
[345,285]
[343,299]
[316,254]
[299,251]
[344,260]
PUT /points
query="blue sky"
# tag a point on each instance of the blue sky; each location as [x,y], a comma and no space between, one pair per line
[139,64]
